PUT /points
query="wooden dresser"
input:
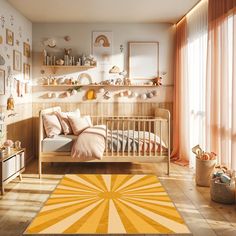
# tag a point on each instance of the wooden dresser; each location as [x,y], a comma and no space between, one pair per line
[11,166]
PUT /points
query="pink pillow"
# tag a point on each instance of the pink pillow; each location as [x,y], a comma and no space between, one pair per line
[65,124]
[52,125]
[79,124]
[63,118]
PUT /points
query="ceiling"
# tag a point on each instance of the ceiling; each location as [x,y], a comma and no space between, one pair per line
[103,11]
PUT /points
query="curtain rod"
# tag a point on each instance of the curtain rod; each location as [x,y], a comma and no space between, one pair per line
[188,12]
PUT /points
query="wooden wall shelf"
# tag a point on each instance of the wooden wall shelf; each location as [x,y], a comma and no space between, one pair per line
[99,85]
[79,68]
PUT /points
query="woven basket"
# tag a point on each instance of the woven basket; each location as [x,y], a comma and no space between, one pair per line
[222,193]
[204,170]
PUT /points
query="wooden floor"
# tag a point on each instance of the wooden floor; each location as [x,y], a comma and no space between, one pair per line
[24,199]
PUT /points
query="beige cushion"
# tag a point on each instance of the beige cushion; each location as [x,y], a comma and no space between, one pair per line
[79,124]
[52,125]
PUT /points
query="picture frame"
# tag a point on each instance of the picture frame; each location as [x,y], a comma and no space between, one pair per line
[143,60]
[9,37]
[17,64]
[26,50]
[2,82]
[26,72]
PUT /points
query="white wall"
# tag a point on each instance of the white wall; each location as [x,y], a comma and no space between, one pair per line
[6,50]
[81,35]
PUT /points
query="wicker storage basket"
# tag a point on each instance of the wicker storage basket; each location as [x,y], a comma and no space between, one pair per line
[221,192]
[204,170]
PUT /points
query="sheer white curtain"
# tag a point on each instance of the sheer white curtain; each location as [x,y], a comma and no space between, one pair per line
[197,22]
[221,81]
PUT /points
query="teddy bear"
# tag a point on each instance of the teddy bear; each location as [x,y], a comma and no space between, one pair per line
[157,81]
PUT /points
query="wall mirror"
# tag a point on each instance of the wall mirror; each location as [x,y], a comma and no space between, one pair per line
[143,60]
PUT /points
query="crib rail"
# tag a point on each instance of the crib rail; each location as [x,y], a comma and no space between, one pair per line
[136,137]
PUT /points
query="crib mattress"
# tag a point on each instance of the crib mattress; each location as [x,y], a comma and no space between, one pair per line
[61,143]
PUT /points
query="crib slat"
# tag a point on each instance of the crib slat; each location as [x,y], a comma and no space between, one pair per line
[161,137]
[149,133]
[123,128]
[139,138]
[106,138]
[155,137]
[144,141]
[118,142]
[133,138]
[128,140]
[112,123]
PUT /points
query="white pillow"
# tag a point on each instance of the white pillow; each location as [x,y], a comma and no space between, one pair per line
[52,125]
[79,124]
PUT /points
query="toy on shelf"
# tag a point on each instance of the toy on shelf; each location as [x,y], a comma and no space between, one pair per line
[157,81]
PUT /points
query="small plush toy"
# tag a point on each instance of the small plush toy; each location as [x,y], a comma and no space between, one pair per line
[157,81]
[127,81]
[118,81]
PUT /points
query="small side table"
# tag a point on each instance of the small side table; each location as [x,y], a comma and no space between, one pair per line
[11,166]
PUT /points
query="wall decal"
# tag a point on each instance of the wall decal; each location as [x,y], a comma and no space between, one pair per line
[1,39]
[27,50]
[20,31]
[2,19]
[12,20]
[102,47]
[67,38]
[2,82]
[9,37]
[121,48]
[17,64]
[2,61]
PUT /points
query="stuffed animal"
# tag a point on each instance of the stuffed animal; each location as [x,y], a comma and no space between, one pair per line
[127,81]
[157,81]
[118,81]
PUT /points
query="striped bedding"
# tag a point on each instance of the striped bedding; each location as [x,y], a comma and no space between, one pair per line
[91,143]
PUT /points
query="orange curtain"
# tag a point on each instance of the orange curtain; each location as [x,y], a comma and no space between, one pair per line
[180,126]
[221,81]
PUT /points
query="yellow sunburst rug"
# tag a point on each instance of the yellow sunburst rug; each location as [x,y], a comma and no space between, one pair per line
[108,204]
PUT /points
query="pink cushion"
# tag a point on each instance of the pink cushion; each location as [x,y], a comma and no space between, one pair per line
[79,124]
[52,125]
[65,124]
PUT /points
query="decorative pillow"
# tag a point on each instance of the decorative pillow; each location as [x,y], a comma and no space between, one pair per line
[65,124]
[52,125]
[79,124]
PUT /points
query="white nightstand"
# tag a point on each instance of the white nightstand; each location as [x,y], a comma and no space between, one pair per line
[11,166]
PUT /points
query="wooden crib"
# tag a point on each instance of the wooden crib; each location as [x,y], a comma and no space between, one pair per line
[142,128]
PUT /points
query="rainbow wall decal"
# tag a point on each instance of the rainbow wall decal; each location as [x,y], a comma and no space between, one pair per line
[102,40]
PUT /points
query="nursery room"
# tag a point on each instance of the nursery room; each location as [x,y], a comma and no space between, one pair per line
[117,117]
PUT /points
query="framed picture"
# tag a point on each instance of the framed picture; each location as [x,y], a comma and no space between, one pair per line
[102,47]
[2,82]
[26,71]
[143,60]
[9,37]
[26,50]
[17,60]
